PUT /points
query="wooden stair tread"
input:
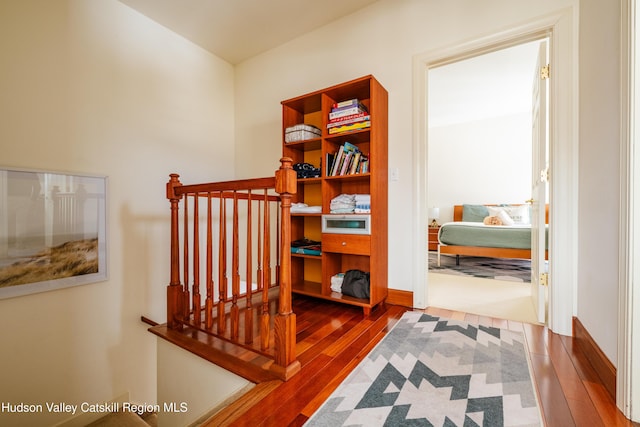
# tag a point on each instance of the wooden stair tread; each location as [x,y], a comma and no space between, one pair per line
[234,358]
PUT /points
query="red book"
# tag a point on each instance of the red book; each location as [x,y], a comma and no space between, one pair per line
[349,119]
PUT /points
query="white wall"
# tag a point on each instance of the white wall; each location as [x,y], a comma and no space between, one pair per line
[380,40]
[599,179]
[197,390]
[483,161]
[94,87]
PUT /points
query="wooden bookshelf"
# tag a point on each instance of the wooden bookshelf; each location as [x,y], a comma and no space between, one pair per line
[311,275]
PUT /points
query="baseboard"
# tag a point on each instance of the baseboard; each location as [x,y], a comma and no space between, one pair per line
[601,364]
[398,297]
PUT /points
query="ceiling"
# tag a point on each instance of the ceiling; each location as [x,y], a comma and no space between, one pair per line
[485,86]
[235,30]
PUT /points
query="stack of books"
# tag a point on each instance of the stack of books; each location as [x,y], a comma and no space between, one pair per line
[348,160]
[347,116]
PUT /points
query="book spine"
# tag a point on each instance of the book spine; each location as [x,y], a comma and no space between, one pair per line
[340,165]
[346,112]
[348,107]
[364,167]
[351,116]
[329,163]
[363,117]
[348,103]
[336,162]
[348,149]
[345,164]
[353,126]
[355,163]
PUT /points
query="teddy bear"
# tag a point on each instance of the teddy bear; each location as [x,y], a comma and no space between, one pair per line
[492,220]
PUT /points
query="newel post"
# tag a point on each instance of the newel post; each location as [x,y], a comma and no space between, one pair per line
[286,364]
[174,290]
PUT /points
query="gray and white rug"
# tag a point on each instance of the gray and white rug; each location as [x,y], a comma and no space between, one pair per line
[514,270]
[430,371]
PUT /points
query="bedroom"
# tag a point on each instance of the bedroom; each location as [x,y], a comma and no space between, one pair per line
[479,152]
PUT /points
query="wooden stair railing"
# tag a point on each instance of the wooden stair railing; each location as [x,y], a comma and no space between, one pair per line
[258,206]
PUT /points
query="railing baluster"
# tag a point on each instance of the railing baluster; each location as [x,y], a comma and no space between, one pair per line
[235,273]
[208,309]
[222,266]
[186,300]
[259,272]
[266,278]
[277,282]
[196,307]
[267,242]
[248,314]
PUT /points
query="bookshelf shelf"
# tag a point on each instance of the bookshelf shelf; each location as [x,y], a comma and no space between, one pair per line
[310,180]
[306,145]
[355,176]
[318,257]
[311,275]
[358,135]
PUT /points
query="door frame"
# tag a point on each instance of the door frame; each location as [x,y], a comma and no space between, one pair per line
[563,142]
[628,379]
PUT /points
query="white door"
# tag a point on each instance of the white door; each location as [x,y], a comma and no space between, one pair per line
[539,182]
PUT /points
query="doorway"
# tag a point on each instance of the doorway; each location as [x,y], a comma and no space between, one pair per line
[563,145]
[480,151]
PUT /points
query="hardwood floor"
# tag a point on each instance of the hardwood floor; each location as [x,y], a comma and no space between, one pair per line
[333,339]
[570,392]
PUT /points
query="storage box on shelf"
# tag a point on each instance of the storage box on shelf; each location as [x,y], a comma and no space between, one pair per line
[301,132]
[311,274]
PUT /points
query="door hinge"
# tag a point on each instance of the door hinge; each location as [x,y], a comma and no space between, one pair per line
[544,72]
[544,279]
[544,175]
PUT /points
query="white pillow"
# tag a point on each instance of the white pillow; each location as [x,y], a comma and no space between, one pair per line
[519,214]
[515,214]
[505,218]
[500,212]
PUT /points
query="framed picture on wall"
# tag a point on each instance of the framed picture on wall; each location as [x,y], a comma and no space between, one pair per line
[52,231]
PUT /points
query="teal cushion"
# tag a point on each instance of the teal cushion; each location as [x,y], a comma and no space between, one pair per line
[474,213]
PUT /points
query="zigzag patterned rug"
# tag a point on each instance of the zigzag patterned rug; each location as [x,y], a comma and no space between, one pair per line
[513,270]
[430,371]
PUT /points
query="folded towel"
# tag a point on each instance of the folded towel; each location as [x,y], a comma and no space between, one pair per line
[344,203]
[344,198]
[344,211]
[304,208]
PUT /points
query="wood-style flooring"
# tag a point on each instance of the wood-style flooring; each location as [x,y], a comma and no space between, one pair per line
[333,339]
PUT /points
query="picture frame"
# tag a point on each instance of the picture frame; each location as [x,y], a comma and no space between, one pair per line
[53,230]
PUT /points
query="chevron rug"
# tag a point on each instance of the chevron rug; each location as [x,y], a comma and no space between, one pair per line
[513,270]
[430,371]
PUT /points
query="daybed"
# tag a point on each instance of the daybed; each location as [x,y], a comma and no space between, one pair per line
[468,235]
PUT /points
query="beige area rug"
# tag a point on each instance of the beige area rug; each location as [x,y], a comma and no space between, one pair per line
[433,371]
[485,297]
